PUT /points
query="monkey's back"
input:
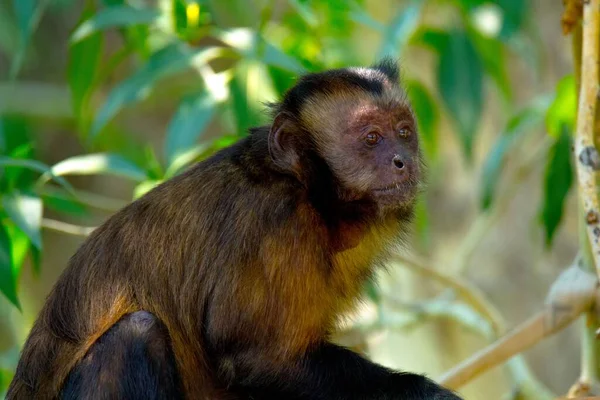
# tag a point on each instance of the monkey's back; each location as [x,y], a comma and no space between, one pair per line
[184,247]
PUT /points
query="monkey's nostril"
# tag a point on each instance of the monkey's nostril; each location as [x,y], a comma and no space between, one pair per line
[398,162]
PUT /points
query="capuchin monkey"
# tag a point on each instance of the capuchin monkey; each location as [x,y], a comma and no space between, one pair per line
[226,281]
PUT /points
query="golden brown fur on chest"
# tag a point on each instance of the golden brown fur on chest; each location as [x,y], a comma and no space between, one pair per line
[354,265]
[300,291]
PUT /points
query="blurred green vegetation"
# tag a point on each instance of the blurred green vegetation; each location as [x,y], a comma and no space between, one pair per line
[215,62]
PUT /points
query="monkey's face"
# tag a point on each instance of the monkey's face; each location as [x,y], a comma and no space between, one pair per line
[374,153]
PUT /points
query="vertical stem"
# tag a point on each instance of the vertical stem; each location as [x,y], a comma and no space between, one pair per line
[587,158]
[590,349]
[585,60]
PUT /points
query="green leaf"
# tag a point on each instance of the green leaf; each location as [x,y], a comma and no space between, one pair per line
[24,11]
[152,165]
[277,58]
[28,13]
[167,61]
[518,125]
[193,116]
[492,168]
[121,141]
[223,141]
[470,4]
[18,143]
[282,80]
[557,183]
[359,16]
[3,134]
[98,163]
[185,158]
[198,153]
[491,52]
[251,46]
[8,278]
[305,12]
[563,110]
[460,80]
[250,86]
[60,5]
[84,63]
[16,132]
[432,38]
[427,113]
[514,13]
[9,33]
[137,38]
[20,245]
[35,166]
[179,16]
[26,212]
[36,260]
[399,31]
[115,17]
[145,187]
[63,203]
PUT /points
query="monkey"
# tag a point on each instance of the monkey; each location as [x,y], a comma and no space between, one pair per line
[227,281]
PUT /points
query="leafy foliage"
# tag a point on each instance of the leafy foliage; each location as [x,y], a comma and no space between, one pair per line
[7,270]
[460,78]
[260,64]
[517,127]
[233,56]
[557,182]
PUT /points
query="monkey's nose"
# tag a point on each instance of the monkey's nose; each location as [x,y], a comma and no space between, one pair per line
[398,163]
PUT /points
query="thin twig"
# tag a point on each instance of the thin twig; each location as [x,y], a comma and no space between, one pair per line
[65,227]
[98,201]
[467,292]
[573,293]
[490,327]
[588,159]
[526,385]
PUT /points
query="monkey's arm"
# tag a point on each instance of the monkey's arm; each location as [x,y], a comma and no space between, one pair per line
[332,372]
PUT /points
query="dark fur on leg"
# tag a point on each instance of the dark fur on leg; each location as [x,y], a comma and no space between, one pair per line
[132,360]
[332,373]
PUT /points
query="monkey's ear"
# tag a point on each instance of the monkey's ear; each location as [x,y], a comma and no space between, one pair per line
[283,143]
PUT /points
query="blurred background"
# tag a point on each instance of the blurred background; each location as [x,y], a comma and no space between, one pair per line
[100,100]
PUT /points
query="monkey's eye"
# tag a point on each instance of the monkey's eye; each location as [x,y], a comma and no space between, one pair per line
[372,139]
[404,132]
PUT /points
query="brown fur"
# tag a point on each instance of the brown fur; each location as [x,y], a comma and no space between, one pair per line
[237,251]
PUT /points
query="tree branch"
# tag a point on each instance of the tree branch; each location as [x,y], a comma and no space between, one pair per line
[65,227]
[588,159]
[573,293]
[467,292]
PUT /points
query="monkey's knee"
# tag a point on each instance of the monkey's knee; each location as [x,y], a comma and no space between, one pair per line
[132,360]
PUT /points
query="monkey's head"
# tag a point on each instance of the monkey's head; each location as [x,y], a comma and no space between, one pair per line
[357,126]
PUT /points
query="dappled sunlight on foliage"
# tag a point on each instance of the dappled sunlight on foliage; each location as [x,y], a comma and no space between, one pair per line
[148,88]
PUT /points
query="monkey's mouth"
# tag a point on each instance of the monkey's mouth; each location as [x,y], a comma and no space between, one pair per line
[390,189]
[406,186]
[396,193]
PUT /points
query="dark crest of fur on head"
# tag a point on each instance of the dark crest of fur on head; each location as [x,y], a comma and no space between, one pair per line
[332,80]
[389,67]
